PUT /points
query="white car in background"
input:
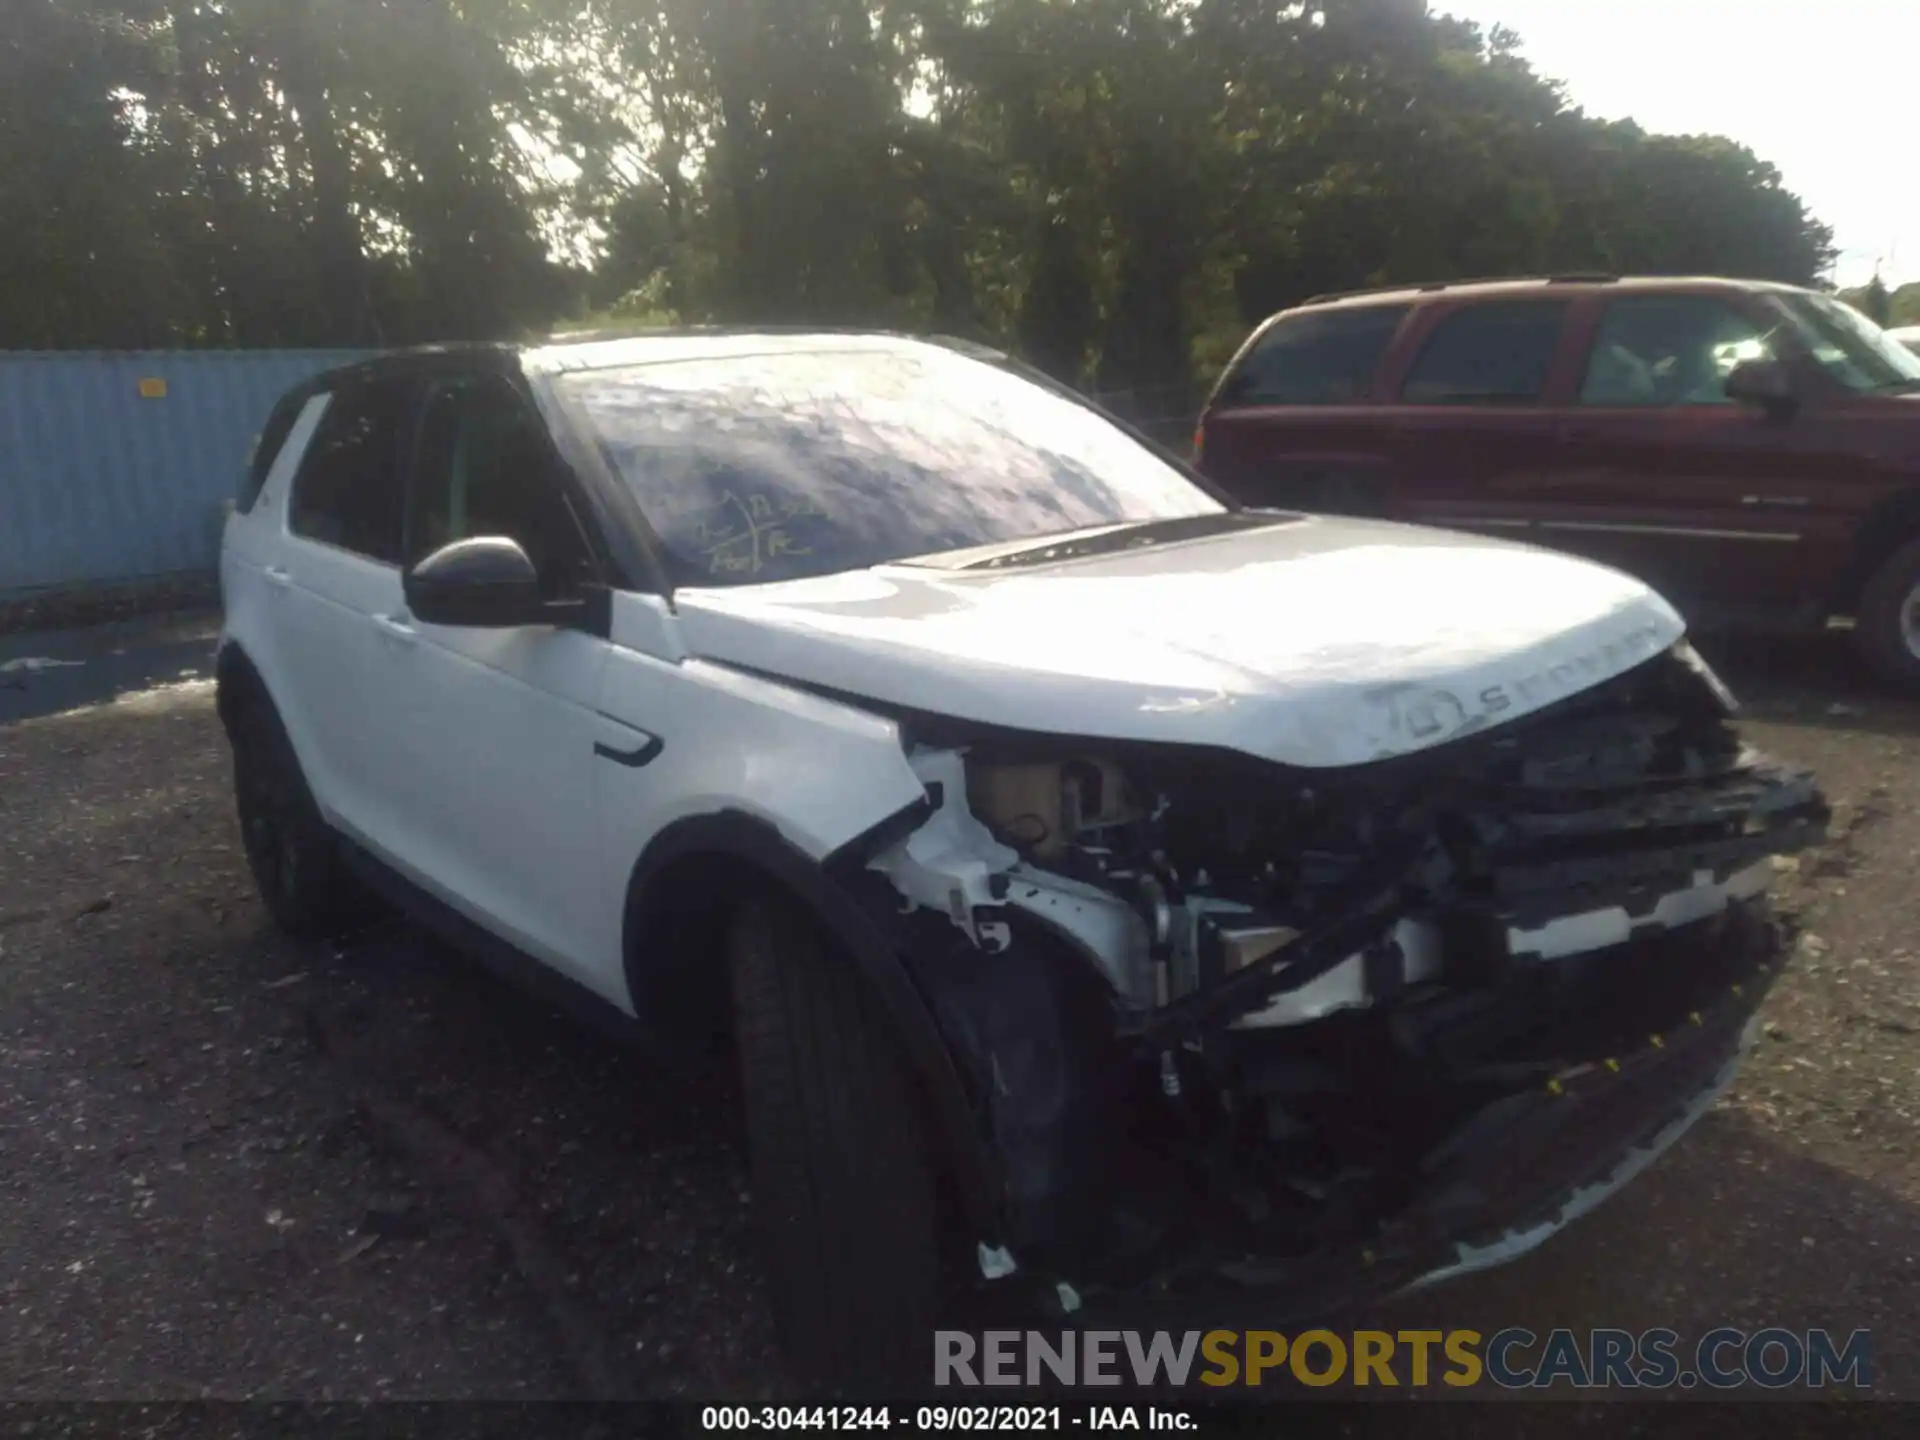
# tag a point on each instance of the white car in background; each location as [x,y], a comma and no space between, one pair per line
[1909,336]
[1110,892]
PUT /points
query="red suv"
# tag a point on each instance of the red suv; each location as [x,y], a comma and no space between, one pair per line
[1752,450]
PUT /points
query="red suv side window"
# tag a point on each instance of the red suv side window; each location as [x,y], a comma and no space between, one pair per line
[1668,350]
[1490,354]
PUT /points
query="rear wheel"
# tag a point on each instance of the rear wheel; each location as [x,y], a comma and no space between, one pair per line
[844,1180]
[1887,627]
[294,856]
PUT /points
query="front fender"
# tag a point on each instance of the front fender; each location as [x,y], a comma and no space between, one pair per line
[740,840]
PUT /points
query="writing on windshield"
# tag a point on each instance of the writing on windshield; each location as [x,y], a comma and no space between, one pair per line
[743,536]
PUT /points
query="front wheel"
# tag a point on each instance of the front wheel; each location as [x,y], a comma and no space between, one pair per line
[1887,627]
[844,1179]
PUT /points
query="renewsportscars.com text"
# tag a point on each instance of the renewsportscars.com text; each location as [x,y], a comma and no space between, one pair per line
[1511,1359]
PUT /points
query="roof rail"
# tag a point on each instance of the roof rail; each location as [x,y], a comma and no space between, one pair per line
[1571,277]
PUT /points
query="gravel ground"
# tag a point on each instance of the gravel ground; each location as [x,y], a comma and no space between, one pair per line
[234,1166]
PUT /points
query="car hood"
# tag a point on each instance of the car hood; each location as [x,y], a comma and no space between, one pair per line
[1314,641]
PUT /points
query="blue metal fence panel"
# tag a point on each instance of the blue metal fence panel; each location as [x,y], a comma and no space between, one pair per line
[115,467]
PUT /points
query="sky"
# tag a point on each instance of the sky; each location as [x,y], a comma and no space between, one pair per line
[1827,90]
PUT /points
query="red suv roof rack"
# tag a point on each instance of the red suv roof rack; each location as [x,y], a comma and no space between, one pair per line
[1571,277]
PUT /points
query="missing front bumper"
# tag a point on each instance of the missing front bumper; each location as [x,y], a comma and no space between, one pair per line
[1500,1183]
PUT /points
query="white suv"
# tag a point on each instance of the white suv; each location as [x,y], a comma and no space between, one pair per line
[1108,890]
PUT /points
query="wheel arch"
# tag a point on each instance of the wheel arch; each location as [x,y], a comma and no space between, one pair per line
[1882,530]
[682,893]
[236,680]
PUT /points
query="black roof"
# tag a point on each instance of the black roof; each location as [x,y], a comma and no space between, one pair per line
[509,356]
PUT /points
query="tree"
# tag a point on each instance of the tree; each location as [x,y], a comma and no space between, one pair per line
[1875,303]
[1115,188]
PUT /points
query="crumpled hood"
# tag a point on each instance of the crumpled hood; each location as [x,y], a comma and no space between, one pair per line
[1314,642]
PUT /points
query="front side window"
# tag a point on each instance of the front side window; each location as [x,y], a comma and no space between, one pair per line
[756,468]
[1492,354]
[1669,350]
[482,466]
[1317,357]
[348,491]
[1850,347]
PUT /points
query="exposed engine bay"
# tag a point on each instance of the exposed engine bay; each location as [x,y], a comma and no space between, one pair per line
[1221,1016]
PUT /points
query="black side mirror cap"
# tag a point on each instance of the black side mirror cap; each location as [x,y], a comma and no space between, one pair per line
[484,581]
[1764,383]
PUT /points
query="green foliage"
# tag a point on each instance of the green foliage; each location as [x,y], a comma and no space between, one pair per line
[1116,188]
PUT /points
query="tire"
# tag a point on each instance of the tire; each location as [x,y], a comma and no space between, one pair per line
[1887,621]
[293,854]
[844,1182]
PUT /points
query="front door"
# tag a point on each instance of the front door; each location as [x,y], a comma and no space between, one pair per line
[1658,473]
[490,751]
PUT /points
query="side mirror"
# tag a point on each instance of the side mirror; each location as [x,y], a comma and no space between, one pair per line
[1764,383]
[485,581]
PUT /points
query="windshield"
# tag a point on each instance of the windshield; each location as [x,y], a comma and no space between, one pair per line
[756,468]
[1849,346]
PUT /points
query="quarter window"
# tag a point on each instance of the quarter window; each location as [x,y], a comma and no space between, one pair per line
[1494,354]
[1318,357]
[348,491]
[1669,350]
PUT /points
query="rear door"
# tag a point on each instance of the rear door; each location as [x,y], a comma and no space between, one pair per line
[1471,419]
[1660,474]
[337,566]
[1293,424]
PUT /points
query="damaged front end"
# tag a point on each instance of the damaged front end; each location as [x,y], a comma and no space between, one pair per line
[1340,1031]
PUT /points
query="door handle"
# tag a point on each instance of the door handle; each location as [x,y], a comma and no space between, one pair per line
[638,758]
[278,576]
[396,629]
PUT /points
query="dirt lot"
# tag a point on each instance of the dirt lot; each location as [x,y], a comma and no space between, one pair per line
[235,1166]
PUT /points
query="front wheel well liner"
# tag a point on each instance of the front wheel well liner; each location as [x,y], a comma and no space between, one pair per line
[681,895]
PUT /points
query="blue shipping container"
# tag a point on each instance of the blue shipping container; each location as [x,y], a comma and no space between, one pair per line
[117,467]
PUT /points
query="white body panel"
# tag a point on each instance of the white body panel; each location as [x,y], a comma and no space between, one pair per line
[480,745]
[818,773]
[1319,643]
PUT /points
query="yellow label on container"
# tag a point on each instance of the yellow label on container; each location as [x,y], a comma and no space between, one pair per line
[153,387]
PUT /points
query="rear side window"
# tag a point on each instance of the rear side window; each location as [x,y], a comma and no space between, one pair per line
[1324,357]
[266,447]
[1496,354]
[348,492]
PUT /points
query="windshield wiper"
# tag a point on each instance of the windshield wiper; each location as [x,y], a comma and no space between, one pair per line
[1130,537]
[1899,387]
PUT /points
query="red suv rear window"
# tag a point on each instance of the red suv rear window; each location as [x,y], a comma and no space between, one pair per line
[1314,357]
